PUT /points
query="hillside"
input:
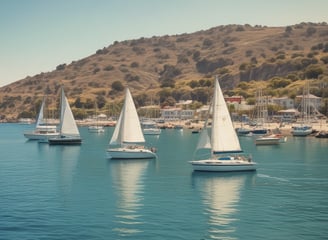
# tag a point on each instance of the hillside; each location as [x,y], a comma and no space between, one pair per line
[167,69]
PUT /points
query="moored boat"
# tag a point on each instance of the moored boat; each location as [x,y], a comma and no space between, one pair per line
[42,130]
[127,139]
[322,134]
[69,132]
[223,142]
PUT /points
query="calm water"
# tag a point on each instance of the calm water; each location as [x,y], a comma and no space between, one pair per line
[74,192]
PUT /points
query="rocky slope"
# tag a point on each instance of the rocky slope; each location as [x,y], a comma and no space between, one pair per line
[167,69]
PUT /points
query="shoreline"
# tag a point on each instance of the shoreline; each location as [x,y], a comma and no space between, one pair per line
[320,125]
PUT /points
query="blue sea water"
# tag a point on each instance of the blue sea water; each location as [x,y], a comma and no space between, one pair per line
[74,192]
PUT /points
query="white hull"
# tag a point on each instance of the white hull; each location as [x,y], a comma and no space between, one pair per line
[270,140]
[302,132]
[40,136]
[96,129]
[214,165]
[151,131]
[128,153]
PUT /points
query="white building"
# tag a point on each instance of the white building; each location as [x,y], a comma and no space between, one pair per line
[313,101]
[284,102]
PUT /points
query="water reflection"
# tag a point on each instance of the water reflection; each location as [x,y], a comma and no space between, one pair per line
[69,158]
[65,159]
[128,181]
[220,194]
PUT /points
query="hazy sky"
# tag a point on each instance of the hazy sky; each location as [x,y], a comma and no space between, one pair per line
[38,35]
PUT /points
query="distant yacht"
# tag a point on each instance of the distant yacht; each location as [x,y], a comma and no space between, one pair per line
[304,128]
[274,138]
[96,128]
[150,128]
[42,130]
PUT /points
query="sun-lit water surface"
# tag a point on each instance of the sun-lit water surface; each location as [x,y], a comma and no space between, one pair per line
[74,192]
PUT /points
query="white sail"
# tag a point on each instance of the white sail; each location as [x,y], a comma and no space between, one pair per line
[224,141]
[40,119]
[68,125]
[204,140]
[116,137]
[128,128]
[223,136]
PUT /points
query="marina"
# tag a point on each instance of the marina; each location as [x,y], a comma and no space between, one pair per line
[75,192]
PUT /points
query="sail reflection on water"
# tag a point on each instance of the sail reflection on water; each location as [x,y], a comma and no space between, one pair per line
[68,157]
[220,193]
[128,180]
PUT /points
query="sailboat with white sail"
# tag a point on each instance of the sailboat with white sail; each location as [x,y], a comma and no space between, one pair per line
[222,140]
[69,132]
[42,130]
[127,141]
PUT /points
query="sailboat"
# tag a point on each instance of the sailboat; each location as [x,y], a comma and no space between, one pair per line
[127,140]
[304,128]
[96,128]
[150,127]
[42,129]
[69,133]
[262,114]
[222,141]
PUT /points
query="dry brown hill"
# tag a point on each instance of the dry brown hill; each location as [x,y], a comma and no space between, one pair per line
[170,68]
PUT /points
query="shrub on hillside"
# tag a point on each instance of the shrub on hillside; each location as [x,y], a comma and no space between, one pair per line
[310,31]
[134,65]
[117,86]
[279,82]
[207,43]
[102,51]
[129,77]
[109,68]
[313,71]
[324,59]
[169,71]
[61,67]
[183,59]
[193,84]
[196,56]
[207,66]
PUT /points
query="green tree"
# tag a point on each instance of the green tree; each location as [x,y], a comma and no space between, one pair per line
[279,83]
[313,71]
[163,94]
[193,84]
[78,103]
[200,95]
[170,101]
[89,104]
[101,101]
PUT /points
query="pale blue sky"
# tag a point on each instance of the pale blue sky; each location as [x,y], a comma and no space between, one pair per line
[38,35]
